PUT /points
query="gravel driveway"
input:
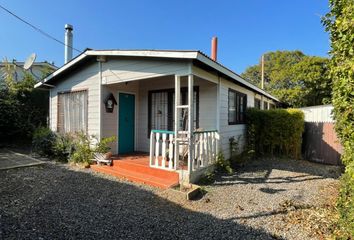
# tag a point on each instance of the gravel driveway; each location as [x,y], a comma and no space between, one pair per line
[55,201]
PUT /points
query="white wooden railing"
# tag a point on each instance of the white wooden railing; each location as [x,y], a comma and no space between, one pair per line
[162,150]
[205,148]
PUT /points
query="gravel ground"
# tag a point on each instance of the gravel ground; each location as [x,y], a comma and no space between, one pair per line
[56,201]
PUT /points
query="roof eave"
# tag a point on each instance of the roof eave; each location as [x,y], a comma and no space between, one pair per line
[233,75]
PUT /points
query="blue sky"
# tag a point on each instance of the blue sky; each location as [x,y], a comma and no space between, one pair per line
[245,29]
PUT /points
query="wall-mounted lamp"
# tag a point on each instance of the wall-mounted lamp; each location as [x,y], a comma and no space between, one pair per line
[109,102]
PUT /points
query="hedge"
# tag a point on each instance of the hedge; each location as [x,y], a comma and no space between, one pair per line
[276,131]
[339,25]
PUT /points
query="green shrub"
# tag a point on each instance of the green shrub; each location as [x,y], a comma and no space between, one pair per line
[83,147]
[339,24]
[345,205]
[207,178]
[103,145]
[276,131]
[63,147]
[42,141]
[223,165]
[82,152]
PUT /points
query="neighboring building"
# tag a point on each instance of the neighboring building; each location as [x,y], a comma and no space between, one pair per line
[38,70]
[145,84]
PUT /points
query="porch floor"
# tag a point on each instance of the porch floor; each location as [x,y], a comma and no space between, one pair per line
[135,167]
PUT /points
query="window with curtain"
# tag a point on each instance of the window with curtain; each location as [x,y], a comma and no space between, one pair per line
[72,111]
[257,103]
[237,107]
[161,109]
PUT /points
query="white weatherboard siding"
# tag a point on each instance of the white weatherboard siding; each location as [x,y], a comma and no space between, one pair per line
[227,131]
[86,78]
[120,70]
[122,75]
[110,120]
[238,131]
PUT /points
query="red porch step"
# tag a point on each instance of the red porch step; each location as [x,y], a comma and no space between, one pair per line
[138,170]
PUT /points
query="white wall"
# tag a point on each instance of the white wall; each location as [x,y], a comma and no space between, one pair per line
[86,78]
[127,69]
[159,75]
[110,120]
[238,131]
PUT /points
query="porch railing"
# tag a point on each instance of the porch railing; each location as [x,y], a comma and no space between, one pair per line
[162,150]
[205,148]
[162,147]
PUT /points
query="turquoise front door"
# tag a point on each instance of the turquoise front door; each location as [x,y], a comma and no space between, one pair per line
[126,123]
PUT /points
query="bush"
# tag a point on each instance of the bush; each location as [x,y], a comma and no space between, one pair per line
[74,147]
[43,141]
[223,165]
[345,205]
[82,150]
[103,145]
[276,131]
[339,24]
[63,146]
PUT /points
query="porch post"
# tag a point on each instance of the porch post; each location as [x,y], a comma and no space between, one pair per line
[177,117]
[99,135]
[190,124]
[218,95]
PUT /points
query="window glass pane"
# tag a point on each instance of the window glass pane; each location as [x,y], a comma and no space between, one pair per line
[237,107]
[232,107]
[257,103]
[162,116]
[72,112]
[159,111]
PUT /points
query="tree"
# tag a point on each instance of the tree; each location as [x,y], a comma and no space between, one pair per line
[339,22]
[22,108]
[312,74]
[293,77]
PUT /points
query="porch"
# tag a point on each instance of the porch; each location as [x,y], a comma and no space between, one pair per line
[135,167]
[172,118]
[166,165]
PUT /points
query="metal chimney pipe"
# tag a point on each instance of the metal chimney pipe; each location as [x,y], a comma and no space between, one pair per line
[68,55]
[214,48]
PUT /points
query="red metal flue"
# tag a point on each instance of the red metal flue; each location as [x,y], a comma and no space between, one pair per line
[214,48]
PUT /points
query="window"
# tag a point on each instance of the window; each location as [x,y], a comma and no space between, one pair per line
[161,109]
[271,106]
[72,111]
[257,103]
[265,105]
[237,107]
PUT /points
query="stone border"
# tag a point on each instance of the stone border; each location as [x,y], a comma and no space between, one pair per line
[37,162]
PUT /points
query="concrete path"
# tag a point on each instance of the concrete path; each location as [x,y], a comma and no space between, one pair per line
[10,159]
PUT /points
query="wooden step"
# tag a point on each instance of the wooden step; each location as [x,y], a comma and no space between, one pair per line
[139,177]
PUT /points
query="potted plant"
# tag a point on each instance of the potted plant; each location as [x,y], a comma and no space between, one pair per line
[104,148]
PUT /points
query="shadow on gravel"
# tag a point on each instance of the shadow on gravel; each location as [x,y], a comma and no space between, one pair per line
[52,202]
[256,172]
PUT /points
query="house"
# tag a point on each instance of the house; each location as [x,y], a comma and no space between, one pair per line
[38,69]
[170,104]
